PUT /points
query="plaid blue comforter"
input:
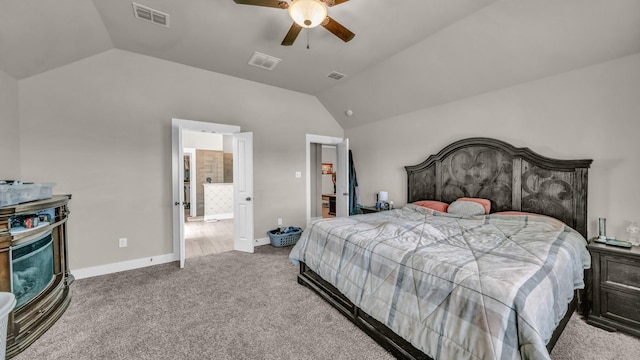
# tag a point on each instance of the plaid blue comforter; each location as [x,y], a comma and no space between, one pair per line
[487,287]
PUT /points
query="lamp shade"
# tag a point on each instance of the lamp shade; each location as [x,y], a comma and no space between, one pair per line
[308,13]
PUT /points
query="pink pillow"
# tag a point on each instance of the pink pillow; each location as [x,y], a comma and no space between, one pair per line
[433,205]
[484,202]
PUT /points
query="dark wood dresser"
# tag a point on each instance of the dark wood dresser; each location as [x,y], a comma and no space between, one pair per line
[332,203]
[616,288]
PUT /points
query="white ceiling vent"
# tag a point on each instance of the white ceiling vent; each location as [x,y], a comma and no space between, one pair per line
[336,75]
[148,14]
[264,61]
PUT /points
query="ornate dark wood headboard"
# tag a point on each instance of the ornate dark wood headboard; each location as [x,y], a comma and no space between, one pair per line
[512,178]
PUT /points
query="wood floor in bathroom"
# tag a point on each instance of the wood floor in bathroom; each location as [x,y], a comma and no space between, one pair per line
[207,237]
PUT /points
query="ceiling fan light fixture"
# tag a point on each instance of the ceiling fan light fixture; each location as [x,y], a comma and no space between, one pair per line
[308,13]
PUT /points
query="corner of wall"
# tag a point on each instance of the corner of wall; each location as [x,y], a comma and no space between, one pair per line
[10,124]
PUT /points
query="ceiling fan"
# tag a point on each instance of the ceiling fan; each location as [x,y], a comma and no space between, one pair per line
[306,14]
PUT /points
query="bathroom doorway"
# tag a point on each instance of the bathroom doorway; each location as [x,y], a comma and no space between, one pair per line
[208,193]
[315,191]
[242,199]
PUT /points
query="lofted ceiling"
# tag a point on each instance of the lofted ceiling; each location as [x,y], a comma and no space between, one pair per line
[406,55]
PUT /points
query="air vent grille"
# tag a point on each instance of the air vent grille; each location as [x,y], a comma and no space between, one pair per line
[148,14]
[336,75]
[264,61]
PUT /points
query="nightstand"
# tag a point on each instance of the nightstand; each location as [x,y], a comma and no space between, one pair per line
[332,203]
[616,288]
[371,209]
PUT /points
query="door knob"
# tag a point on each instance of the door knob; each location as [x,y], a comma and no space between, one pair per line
[248,198]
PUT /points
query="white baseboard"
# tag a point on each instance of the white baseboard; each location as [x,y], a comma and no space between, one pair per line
[261,241]
[123,266]
[137,263]
[216,217]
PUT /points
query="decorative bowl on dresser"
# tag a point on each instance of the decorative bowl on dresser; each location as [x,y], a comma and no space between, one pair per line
[34,267]
[616,288]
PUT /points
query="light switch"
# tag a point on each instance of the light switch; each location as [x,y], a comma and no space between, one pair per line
[298,174]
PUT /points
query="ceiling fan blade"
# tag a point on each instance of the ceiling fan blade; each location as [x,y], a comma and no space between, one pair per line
[335,2]
[337,29]
[268,3]
[291,35]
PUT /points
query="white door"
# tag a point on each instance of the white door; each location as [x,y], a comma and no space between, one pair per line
[243,192]
[342,179]
[177,169]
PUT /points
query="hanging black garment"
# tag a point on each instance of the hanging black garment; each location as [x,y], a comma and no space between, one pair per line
[353,188]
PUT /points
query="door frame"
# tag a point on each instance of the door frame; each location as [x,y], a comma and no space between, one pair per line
[177,177]
[323,140]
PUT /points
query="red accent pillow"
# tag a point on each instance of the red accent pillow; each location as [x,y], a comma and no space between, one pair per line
[484,202]
[433,205]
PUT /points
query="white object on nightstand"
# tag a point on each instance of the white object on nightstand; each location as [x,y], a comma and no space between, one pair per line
[634,233]
[7,303]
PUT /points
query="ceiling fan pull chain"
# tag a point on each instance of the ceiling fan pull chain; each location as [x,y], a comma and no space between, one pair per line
[308,38]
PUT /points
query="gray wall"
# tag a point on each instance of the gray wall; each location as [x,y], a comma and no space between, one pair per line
[101,129]
[591,113]
[9,128]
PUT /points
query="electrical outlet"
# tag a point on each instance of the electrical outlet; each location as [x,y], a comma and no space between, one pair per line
[122,242]
[279,221]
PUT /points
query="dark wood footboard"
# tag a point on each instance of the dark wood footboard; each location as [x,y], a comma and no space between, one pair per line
[389,340]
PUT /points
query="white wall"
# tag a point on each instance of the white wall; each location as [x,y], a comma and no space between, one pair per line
[101,129]
[9,128]
[202,141]
[589,113]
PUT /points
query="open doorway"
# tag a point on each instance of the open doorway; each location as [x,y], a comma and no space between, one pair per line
[208,193]
[207,237]
[327,183]
[242,145]
[327,150]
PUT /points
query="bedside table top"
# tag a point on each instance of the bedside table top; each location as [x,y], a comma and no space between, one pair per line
[595,246]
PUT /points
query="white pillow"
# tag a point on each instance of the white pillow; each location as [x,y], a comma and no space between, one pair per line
[465,208]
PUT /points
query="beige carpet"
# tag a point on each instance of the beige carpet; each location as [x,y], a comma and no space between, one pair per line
[236,306]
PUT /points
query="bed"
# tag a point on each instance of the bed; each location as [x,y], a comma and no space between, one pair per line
[426,284]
